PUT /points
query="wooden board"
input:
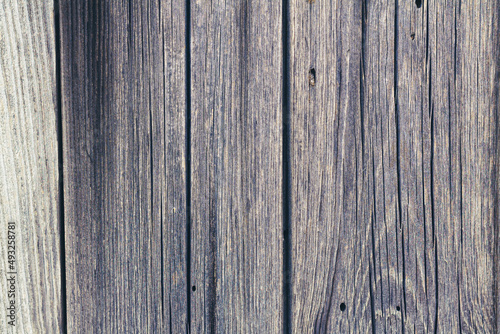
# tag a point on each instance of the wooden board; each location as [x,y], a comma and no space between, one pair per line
[394,155]
[29,175]
[236,175]
[123,90]
[330,267]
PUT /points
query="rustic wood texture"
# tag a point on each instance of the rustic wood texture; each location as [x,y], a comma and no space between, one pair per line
[329,233]
[394,157]
[123,84]
[174,205]
[236,152]
[29,177]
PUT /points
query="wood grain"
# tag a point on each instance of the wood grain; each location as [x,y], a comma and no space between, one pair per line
[463,135]
[394,149]
[29,177]
[236,152]
[123,88]
[330,234]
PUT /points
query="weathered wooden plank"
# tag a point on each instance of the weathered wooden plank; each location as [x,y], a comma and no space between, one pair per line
[123,78]
[236,149]
[463,132]
[330,232]
[447,129]
[394,149]
[29,177]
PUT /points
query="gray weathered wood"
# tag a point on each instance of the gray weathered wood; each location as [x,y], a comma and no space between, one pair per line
[330,233]
[461,126]
[29,177]
[123,78]
[236,154]
[394,158]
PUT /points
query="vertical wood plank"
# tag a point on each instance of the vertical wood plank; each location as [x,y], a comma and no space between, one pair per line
[236,259]
[461,65]
[29,176]
[331,243]
[394,166]
[123,78]
[447,156]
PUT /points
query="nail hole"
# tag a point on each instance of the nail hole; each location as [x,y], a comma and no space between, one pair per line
[193,288]
[342,307]
[418,3]
[312,77]
[398,308]
[412,36]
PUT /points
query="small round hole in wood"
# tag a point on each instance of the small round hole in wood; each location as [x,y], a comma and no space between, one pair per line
[342,307]
[312,77]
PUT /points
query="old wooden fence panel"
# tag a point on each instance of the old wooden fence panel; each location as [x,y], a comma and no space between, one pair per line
[29,176]
[250,166]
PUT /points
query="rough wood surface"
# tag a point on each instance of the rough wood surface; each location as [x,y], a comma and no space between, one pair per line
[29,177]
[236,150]
[123,86]
[173,166]
[394,148]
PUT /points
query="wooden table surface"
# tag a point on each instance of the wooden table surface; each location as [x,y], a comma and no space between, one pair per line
[295,166]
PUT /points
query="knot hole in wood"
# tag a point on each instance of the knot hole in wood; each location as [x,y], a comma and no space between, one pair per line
[312,77]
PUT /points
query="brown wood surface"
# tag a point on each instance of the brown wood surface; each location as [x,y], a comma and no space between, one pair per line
[236,149]
[394,155]
[123,85]
[29,174]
